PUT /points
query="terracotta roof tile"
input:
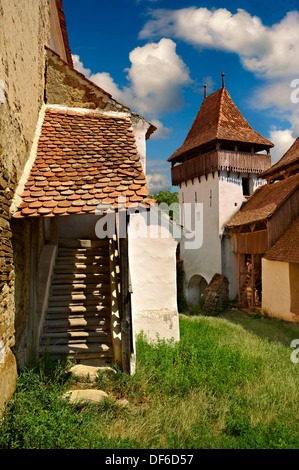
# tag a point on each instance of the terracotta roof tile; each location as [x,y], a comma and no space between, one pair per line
[287,247]
[289,163]
[265,201]
[219,119]
[69,177]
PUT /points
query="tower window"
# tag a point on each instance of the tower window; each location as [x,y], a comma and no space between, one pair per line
[245,186]
[195,196]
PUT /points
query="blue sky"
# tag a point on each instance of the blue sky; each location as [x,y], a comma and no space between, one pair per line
[155,56]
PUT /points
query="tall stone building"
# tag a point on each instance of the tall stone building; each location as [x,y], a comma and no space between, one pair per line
[217,168]
[25,28]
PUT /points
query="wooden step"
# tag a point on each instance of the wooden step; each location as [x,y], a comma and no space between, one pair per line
[74,243]
[81,268]
[87,260]
[81,337]
[76,334]
[80,277]
[79,255]
[77,297]
[89,309]
[73,306]
[82,289]
[86,323]
[74,348]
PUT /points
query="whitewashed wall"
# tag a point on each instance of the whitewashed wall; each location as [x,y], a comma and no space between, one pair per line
[222,197]
[152,261]
[206,260]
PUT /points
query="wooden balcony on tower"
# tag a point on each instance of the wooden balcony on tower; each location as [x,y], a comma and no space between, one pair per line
[220,160]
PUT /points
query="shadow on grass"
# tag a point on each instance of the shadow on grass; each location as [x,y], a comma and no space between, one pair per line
[271,329]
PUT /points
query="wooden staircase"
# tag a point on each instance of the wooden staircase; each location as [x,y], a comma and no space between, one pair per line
[78,317]
[250,280]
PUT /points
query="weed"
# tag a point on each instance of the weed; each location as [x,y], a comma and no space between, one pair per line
[220,386]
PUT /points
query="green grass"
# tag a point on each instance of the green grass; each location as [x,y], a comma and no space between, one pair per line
[228,383]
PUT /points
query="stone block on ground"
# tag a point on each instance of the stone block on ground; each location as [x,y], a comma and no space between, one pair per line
[216,294]
[89,371]
[88,395]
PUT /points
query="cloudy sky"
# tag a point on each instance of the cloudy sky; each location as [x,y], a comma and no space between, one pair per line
[155,55]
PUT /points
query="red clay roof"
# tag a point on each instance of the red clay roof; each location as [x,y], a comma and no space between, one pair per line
[219,119]
[62,21]
[289,162]
[83,160]
[287,247]
[265,201]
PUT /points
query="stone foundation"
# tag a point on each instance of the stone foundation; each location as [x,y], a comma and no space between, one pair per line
[216,294]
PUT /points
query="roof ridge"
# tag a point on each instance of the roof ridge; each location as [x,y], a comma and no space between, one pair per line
[220,109]
[54,109]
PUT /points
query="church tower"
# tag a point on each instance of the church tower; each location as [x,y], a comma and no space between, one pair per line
[216,169]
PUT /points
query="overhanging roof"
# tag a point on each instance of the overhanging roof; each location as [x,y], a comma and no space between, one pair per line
[83,160]
[219,120]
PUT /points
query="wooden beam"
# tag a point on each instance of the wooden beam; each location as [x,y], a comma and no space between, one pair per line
[126,320]
[238,279]
[252,279]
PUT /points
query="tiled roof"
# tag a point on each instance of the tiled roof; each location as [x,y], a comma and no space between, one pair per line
[265,201]
[289,162]
[219,119]
[83,160]
[287,247]
[64,32]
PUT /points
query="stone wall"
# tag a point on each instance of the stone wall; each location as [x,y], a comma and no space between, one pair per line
[216,294]
[25,31]
[67,87]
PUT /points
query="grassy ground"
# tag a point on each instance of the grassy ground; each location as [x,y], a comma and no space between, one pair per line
[228,383]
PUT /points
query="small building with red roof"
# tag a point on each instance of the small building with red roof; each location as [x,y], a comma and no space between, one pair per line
[78,277]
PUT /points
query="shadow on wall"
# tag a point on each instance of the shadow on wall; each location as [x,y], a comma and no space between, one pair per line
[196,289]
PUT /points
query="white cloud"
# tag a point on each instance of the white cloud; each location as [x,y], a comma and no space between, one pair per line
[158,182]
[155,78]
[268,51]
[282,139]
[155,81]
[78,65]
[161,132]
[156,75]
[275,99]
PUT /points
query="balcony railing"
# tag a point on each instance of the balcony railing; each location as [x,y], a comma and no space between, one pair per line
[220,160]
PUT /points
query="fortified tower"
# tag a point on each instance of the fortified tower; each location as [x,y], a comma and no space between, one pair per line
[216,169]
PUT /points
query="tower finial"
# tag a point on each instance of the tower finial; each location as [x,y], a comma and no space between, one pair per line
[205,88]
[223,85]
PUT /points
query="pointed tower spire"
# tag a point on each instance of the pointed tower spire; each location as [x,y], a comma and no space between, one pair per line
[223,84]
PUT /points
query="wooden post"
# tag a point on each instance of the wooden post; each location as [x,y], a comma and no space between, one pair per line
[252,280]
[126,321]
[238,278]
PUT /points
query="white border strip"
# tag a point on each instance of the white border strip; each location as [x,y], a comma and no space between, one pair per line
[17,200]
[89,111]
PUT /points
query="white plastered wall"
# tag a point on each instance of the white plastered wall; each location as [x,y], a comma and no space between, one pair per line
[231,199]
[206,260]
[152,261]
[222,197]
[276,299]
